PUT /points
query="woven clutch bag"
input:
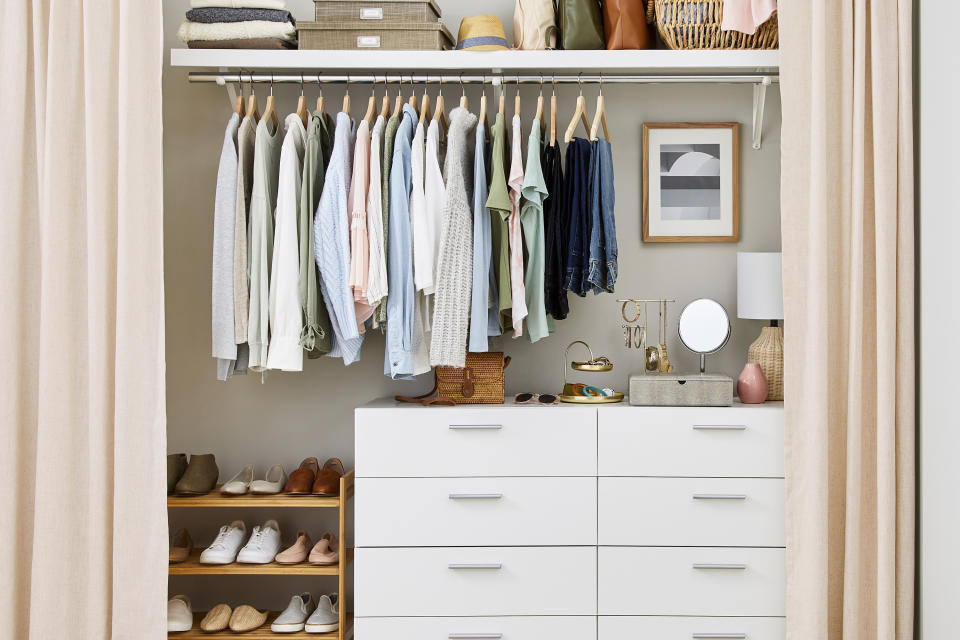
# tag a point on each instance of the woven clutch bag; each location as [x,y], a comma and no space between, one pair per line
[479,382]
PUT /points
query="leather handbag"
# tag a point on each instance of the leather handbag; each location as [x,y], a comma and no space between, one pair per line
[479,382]
[581,24]
[625,24]
[534,25]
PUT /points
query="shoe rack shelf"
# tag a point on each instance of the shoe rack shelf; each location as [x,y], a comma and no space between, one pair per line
[214,500]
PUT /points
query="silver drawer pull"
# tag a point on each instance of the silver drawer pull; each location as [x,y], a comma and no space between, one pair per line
[467,427]
[738,567]
[705,636]
[719,496]
[720,427]
[475,636]
[475,496]
[469,565]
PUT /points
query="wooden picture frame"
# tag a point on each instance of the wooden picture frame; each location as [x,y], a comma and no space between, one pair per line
[696,214]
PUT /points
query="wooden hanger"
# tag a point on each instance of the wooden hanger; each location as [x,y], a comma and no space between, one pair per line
[385,107]
[238,107]
[579,115]
[463,94]
[398,103]
[599,118]
[346,98]
[438,110]
[320,105]
[252,109]
[553,120]
[371,109]
[424,107]
[539,114]
[302,105]
[413,94]
[503,99]
[270,111]
[516,99]
[483,107]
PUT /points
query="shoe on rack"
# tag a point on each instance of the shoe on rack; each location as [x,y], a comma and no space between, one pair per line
[326,551]
[200,476]
[179,614]
[272,483]
[295,615]
[328,479]
[217,619]
[246,618]
[263,545]
[223,550]
[238,484]
[301,480]
[176,465]
[180,546]
[298,551]
[326,617]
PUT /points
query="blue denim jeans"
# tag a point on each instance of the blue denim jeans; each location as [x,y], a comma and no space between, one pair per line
[602,271]
[578,226]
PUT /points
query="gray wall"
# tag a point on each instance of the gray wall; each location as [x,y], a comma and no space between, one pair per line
[288,416]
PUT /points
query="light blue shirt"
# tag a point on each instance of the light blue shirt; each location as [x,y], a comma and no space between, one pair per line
[398,355]
[483,316]
[331,245]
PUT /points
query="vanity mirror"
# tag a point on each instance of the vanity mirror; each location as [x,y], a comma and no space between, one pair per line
[704,328]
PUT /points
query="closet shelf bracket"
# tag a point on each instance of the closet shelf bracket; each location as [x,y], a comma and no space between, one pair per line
[232,89]
[759,102]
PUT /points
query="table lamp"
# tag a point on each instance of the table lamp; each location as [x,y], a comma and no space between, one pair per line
[760,297]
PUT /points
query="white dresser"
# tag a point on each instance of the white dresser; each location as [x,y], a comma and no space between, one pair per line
[569,522]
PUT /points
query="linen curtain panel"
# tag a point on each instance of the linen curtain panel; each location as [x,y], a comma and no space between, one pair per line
[82,401]
[848,270]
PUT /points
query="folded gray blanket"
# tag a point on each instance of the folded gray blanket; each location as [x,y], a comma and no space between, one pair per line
[226,14]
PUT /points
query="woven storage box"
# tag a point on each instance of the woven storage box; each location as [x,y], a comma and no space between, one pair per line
[432,36]
[695,24]
[405,11]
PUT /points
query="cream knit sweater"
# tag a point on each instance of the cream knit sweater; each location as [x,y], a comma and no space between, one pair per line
[455,261]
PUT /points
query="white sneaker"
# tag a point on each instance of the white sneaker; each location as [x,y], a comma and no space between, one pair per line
[326,618]
[272,483]
[295,615]
[179,614]
[238,484]
[263,545]
[224,548]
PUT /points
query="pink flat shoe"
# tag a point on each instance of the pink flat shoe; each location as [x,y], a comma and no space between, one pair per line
[297,552]
[326,551]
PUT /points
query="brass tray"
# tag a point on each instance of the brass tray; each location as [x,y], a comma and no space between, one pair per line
[616,397]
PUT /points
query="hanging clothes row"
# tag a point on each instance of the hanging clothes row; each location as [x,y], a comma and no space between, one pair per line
[432,227]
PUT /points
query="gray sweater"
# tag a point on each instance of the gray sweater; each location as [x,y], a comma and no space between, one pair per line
[224,209]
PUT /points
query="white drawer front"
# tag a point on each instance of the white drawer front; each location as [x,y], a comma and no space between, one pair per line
[481,512]
[734,442]
[473,581]
[691,581]
[691,512]
[412,442]
[662,628]
[514,628]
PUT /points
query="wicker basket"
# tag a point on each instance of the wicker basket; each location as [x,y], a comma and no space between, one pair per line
[428,36]
[695,24]
[406,11]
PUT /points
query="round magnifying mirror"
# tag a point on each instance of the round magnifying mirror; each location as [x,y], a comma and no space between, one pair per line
[704,328]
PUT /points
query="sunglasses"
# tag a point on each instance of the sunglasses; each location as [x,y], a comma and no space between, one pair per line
[530,398]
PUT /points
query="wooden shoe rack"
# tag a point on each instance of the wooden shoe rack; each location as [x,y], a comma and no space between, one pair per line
[192,566]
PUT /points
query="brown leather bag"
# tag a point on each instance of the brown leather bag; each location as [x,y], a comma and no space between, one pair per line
[479,382]
[625,24]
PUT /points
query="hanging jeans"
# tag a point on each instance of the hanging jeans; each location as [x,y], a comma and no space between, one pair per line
[555,213]
[602,269]
[579,223]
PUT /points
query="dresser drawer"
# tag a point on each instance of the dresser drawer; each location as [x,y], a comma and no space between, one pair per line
[423,442]
[483,512]
[473,581]
[735,442]
[513,628]
[690,512]
[663,628]
[691,581]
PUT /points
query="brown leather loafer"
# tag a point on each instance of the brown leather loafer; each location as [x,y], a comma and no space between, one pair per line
[180,546]
[301,480]
[176,465]
[328,480]
[200,477]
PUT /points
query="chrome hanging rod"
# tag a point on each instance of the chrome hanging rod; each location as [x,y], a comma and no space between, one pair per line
[491,78]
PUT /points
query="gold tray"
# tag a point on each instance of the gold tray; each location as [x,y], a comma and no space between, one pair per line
[616,397]
[586,366]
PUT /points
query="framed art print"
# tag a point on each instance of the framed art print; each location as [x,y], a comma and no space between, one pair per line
[691,182]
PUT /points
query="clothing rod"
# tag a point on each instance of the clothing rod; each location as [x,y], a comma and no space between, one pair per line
[491,79]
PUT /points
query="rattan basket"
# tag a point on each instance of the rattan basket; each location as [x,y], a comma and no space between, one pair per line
[695,24]
[374,11]
[427,36]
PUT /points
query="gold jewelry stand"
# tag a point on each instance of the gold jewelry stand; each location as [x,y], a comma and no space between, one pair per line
[593,365]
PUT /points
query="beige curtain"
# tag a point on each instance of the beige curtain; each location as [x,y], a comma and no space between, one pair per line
[848,269]
[82,400]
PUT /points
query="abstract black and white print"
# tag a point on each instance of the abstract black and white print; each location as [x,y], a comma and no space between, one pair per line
[690,182]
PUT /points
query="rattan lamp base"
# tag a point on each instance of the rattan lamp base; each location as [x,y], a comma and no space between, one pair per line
[767,351]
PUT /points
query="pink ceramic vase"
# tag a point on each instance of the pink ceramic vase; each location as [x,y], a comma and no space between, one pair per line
[752,384]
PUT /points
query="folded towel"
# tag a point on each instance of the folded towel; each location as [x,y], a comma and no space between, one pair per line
[746,15]
[236,30]
[246,43]
[224,14]
[239,4]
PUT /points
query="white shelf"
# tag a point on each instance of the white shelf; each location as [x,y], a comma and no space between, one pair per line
[647,62]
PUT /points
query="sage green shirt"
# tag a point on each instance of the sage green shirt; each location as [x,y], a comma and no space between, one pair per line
[500,206]
[389,134]
[531,218]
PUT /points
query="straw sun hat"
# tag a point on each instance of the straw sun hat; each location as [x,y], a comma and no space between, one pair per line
[482,33]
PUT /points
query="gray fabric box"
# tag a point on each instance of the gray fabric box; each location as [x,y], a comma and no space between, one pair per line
[672,390]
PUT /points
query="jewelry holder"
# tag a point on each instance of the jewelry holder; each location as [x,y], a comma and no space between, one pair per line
[593,365]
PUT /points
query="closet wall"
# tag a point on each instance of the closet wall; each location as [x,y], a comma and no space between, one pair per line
[289,416]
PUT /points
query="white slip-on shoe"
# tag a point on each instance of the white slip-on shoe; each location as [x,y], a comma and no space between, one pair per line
[238,484]
[179,614]
[295,615]
[263,545]
[224,548]
[326,617]
[272,483]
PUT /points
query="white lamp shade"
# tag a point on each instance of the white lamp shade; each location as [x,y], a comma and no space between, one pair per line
[760,286]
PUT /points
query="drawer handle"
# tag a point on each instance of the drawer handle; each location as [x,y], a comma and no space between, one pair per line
[704,636]
[371,13]
[475,636]
[720,427]
[471,565]
[475,496]
[475,427]
[721,566]
[719,496]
